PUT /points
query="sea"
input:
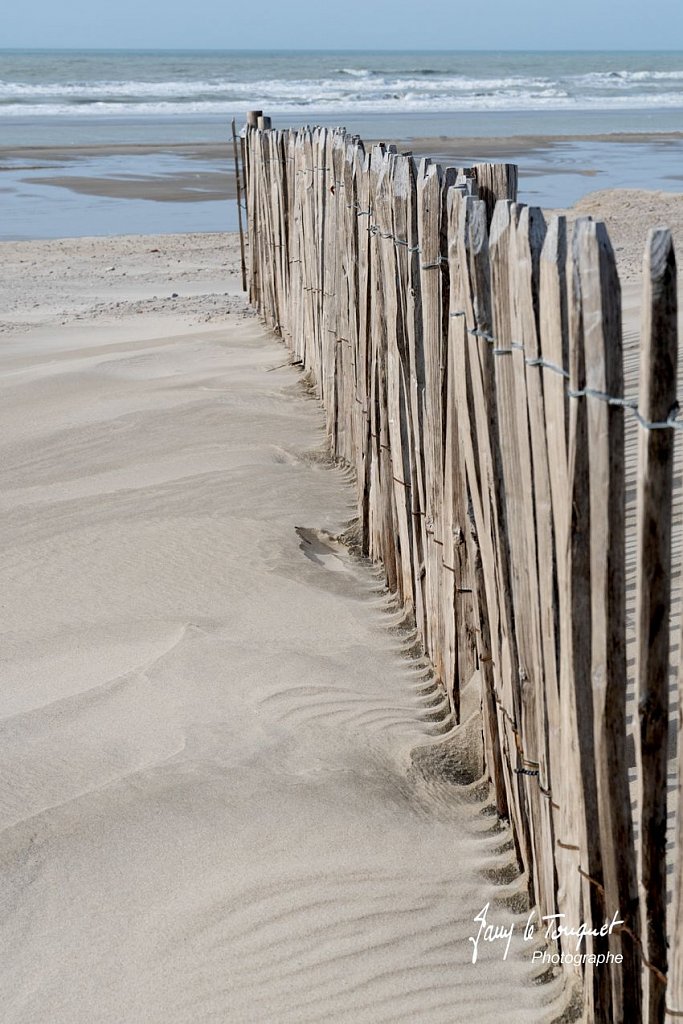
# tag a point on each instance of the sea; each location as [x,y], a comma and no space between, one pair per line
[87,97]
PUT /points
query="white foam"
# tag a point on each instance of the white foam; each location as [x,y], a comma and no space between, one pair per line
[511,101]
[353,89]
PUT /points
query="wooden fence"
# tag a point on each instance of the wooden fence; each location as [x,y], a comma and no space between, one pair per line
[469,360]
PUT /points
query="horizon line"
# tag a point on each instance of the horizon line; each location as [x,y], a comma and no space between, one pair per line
[289,49]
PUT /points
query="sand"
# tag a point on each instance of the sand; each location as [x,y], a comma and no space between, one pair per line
[629,215]
[229,792]
[195,172]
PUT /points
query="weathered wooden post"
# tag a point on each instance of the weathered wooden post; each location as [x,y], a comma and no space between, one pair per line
[659,359]
[601,297]
[243,265]
[505,411]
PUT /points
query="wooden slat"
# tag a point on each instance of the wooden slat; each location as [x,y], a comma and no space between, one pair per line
[363,350]
[238,183]
[485,486]
[296,248]
[404,466]
[576,691]
[340,299]
[471,617]
[416,397]
[472,405]
[454,506]
[461,398]
[516,513]
[527,243]
[308,257]
[674,994]
[381,504]
[430,186]
[395,477]
[554,336]
[349,441]
[658,367]
[615,859]
[494,182]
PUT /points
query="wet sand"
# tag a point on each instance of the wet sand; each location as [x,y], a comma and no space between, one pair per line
[201,172]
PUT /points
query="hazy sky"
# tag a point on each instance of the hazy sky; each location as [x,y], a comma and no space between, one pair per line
[353,24]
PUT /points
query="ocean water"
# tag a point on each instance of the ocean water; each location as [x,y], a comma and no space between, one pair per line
[77,98]
[41,89]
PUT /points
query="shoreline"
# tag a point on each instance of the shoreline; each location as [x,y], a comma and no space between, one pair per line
[217,151]
[111,188]
[494,147]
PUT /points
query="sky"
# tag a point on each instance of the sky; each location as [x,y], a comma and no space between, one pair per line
[353,24]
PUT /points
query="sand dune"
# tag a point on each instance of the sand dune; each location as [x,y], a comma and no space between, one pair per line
[228,791]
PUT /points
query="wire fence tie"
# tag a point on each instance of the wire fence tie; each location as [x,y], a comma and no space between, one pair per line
[539,361]
[476,333]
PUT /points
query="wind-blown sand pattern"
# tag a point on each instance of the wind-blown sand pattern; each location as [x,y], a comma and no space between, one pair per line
[229,790]
[222,790]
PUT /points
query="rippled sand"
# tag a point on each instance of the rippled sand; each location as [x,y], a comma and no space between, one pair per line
[229,792]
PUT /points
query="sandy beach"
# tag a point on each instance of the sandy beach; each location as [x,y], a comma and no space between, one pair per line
[230,790]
